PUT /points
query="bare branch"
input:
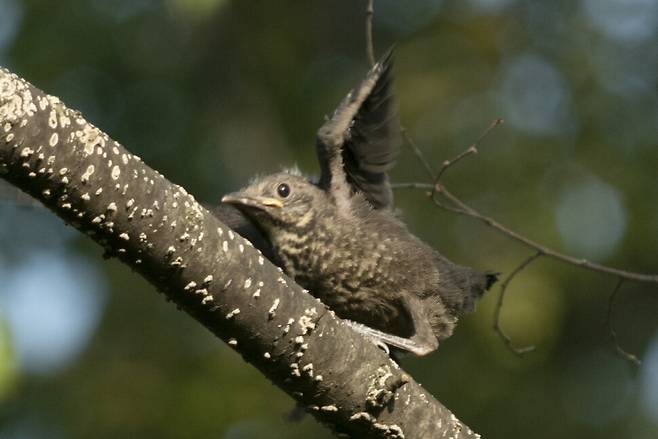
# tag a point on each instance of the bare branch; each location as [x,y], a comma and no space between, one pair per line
[428,191]
[464,209]
[370,47]
[578,262]
[471,150]
[436,190]
[419,154]
[520,351]
[414,185]
[612,333]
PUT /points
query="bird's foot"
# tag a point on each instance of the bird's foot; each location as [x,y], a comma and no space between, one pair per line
[382,338]
[381,345]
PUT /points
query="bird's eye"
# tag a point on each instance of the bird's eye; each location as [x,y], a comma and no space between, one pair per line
[283,190]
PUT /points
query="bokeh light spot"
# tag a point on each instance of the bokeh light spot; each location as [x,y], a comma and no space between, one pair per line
[52,302]
[490,5]
[591,218]
[11,13]
[630,73]
[629,21]
[534,96]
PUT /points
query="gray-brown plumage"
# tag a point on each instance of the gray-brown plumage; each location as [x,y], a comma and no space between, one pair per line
[340,239]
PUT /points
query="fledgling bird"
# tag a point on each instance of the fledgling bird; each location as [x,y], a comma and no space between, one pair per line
[340,239]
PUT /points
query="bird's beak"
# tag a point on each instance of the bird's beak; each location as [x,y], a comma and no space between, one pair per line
[256,202]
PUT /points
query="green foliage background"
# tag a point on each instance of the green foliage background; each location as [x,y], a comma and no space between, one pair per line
[211,92]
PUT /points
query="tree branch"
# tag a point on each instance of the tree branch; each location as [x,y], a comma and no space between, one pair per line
[458,206]
[464,209]
[471,150]
[160,231]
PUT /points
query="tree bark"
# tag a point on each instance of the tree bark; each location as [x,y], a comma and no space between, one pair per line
[159,230]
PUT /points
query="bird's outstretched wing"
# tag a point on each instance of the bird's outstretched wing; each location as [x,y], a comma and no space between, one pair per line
[357,145]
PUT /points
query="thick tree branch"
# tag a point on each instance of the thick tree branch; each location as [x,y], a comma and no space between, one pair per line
[160,231]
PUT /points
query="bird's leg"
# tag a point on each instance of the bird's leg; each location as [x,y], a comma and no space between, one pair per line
[415,344]
[423,341]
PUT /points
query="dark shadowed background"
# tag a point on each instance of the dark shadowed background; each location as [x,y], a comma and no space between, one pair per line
[211,92]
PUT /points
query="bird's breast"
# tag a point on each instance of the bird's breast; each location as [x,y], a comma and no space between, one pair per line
[336,264]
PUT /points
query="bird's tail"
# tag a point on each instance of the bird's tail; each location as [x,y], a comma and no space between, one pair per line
[491,278]
[460,287]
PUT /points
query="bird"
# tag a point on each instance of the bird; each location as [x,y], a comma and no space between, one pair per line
[340,237]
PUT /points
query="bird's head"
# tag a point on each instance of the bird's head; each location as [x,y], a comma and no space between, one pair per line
[283,201]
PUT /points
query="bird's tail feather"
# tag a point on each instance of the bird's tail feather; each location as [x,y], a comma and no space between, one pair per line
[460,287]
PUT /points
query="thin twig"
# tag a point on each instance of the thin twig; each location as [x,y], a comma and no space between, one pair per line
[412,185]
[520,351]
[417,152]
[472,149]
[370,47]
[613,334]
[448,163]
[430,192]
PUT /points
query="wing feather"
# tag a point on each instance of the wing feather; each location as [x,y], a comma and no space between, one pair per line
[357,146]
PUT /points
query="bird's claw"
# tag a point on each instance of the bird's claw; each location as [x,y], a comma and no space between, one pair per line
[381,345]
